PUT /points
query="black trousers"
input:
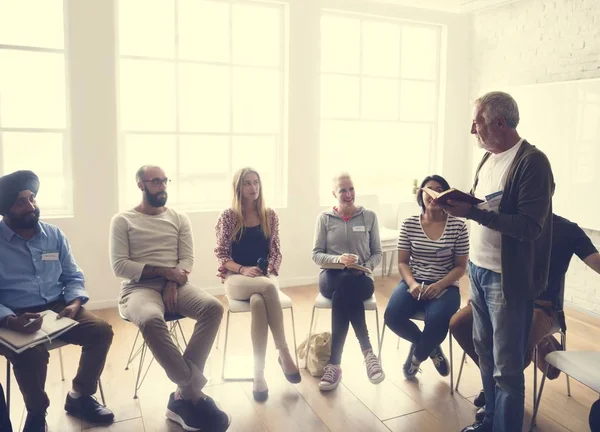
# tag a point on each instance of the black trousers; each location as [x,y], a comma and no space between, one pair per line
[347,290]
[5,425]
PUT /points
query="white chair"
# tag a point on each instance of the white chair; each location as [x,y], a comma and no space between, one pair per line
[322,302]
[55,344]
[388,236]
[173,325]
[581,365]
[243,306]
[420,316]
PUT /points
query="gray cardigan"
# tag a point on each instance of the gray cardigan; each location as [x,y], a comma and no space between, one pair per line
[359,236]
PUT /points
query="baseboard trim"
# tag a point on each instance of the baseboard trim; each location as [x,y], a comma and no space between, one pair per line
[581,309]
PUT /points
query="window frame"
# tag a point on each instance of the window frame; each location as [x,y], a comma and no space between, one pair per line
[67,207]
[280,137]
[437,121]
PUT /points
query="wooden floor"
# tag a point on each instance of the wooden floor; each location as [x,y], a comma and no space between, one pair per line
[356,405]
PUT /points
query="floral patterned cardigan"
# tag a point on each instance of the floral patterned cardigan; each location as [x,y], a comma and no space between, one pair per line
[224,231]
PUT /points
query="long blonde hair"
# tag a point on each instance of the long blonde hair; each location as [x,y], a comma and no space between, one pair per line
[236,205]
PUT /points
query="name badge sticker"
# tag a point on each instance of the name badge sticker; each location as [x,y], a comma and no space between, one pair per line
[50,256]
[360,228]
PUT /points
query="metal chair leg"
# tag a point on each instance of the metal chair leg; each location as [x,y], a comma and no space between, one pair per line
[139,374]
[378,335]
[101,392]
[225,345]
[381,343]
[534,361]
[462,363]
[218,337]
[130,359]
[539,399]
[383,264]
[451,365]
[8,387]
[312,320]
[294,334]
[178,324]
[563,336]
[62,368]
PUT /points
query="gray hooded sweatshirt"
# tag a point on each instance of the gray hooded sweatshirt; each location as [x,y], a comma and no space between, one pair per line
[360,236]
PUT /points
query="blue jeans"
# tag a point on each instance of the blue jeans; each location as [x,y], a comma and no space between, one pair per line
[500,335]
[403,305]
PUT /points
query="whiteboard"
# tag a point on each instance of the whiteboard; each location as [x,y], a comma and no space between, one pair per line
[563,120]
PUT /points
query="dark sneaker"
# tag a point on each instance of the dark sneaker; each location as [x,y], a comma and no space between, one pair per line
[35,423]
[479,427]
[212,418]
[184,413]
[410,369]
[89,409]
[479,401]
[440,361]
[374,371]
[331,378]
[480,414]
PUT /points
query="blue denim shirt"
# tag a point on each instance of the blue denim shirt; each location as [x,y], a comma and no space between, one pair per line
[37,271]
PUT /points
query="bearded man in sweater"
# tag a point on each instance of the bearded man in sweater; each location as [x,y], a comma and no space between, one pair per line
[152,249]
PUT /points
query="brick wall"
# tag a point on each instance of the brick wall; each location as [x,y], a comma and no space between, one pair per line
[535,41]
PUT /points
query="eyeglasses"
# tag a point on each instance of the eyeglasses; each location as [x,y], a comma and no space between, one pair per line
[157,181]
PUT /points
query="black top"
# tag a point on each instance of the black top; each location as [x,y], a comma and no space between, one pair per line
[252,245]
[567,239]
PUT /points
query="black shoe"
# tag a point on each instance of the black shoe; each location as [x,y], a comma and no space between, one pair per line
[479,427]
[260,396]
[89,409]
[480,414]
[184,413]
[440,361]
[294,378]
[479,401]
[213,419]
[409,369]
[35,423]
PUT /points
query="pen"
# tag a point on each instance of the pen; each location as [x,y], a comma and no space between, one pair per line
[34,320]
[420,291]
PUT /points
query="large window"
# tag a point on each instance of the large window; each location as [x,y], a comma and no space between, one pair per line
[34,132]
[379,102]
[202,93]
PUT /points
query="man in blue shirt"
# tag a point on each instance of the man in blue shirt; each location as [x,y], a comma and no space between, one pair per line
[38,273]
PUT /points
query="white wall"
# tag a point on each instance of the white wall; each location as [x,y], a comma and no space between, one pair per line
[534,41]
[94,124]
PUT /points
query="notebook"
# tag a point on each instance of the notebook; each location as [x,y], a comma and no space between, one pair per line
[51,328]
[340,266]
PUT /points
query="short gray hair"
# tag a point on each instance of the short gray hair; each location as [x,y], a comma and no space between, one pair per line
[499,104]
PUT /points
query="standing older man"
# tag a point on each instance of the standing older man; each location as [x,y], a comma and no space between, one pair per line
[38,273]
[509,257]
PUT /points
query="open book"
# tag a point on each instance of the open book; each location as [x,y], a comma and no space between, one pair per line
[51,328]
[340,266]
[452,194]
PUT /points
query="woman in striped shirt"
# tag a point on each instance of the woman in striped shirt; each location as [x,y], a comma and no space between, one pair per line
[432,256]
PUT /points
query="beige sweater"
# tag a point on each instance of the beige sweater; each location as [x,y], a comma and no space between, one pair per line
[137,240]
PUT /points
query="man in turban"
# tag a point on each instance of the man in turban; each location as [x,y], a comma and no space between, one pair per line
[38,273]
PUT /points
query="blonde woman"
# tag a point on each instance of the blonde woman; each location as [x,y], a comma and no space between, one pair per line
[347,234]
[247,237]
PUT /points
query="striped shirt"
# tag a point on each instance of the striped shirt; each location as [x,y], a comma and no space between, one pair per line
[432,260]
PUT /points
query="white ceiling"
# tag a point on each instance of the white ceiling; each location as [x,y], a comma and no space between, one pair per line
[457,6]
